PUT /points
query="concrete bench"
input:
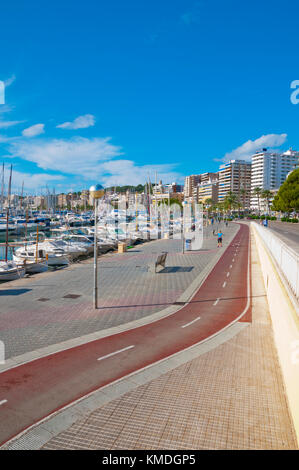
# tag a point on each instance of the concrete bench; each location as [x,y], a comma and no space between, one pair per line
[161,259]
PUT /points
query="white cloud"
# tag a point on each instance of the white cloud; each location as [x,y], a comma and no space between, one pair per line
[246,150]
[31,181]
[89,159]
[6,124]
[32,131]
[123,172]
[80,122]
[77,156]
[5,109]
[9,81]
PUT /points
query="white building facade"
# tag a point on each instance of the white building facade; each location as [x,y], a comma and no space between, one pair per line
[269,171]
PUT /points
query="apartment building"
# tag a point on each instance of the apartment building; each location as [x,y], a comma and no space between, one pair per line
[190,183]
[164,191]
[207,188]
[269,171]
[235,176]
[63,200]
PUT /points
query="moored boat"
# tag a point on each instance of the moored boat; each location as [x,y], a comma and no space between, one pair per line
[10,271]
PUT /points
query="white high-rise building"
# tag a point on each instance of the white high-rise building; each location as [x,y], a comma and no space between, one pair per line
[269,171]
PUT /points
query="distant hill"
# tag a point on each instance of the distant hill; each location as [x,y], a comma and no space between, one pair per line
[122,189]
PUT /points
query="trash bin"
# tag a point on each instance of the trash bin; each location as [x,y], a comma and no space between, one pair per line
[188,245]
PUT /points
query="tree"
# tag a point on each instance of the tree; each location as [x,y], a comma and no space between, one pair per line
[208,202]
[172,201]
[230,201]
[220,208]
[243,194]
[287,198]
[208,205]
[257,192]
[266,194]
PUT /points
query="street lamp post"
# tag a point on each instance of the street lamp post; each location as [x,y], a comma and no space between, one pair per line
[96,192]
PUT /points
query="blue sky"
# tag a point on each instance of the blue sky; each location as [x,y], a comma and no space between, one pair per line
[113,91]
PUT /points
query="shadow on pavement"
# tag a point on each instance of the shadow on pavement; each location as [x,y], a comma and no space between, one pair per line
[13,291]
[176,269]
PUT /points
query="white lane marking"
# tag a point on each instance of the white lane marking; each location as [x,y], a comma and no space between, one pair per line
[2,402]
[216,301]
[116,352]
[227,275]
[224,284]
[231,266]
[190,323]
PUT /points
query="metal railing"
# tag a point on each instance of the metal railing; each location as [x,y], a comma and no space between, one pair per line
[286,258]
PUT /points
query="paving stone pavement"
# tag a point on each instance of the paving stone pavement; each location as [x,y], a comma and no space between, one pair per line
[231,397]
[127,291]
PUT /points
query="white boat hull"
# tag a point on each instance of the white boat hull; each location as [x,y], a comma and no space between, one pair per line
[11,274]
[56,260]
[32,267]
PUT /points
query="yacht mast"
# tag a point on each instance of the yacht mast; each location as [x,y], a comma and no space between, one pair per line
[7,214]
[2,189]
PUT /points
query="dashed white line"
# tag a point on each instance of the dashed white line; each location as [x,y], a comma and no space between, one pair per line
[2,402]
[116,352]
[190,323]
[224,284]
[227,274]
[231,266]
[216,301]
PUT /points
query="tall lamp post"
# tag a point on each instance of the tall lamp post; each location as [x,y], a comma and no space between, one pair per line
[96,193]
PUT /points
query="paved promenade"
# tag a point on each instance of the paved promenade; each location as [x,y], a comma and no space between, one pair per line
[231,397]
[206,377]
[34,312]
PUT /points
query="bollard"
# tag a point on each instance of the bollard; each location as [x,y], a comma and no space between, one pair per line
[121,247]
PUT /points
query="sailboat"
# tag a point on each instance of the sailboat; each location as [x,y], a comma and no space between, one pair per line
[34,261]
[9,270]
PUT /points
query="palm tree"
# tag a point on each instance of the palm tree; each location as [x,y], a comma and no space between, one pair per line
[243,194]
[219,209]
[257,192]
[230,201]
[266,194]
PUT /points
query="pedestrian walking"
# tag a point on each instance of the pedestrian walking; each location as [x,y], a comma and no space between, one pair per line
[219,235]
